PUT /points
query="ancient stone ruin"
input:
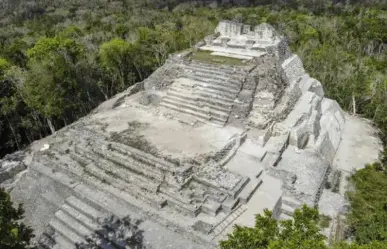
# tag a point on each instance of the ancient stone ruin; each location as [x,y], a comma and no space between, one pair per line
[214,136]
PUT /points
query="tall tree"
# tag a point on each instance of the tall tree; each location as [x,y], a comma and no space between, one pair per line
[51,86]
[117,59]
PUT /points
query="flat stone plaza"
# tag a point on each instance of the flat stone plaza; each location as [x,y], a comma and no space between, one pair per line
[216,135]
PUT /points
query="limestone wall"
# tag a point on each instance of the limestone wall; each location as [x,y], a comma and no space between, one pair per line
[243,104]
[229,28]
[283,51]
[293,69]
[163,76]
[332,124]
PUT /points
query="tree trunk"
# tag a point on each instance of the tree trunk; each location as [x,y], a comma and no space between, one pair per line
[354,104]
[13,133]
[138,71]
[52,128]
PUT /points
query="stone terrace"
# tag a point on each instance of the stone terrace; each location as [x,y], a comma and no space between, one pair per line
[188,193]
[205,91]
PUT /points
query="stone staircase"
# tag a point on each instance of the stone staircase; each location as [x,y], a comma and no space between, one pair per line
[205,91]
[152,180]
[250,188]
[220,227]
[288,206]
[95,168]
[73,223]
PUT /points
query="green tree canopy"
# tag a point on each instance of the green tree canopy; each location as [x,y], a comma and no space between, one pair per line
[302,232]
[4,65]
[51,86]
[117,58]
[48,47]
[368,214]
[13,233]
[372,245]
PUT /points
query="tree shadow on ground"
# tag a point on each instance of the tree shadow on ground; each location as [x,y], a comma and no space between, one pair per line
[116,233]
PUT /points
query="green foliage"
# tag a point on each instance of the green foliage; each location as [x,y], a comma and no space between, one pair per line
[4,65]
[302,232]
[116,56]
[51,85]
[48,47]
[368,216]
[14,234]
[372,245]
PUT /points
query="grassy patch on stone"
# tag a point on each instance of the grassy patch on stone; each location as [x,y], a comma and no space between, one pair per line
[324,221]
[206,56]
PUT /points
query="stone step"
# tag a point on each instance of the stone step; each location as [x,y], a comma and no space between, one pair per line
[284,216]
[211,208]
[108,198]
[213,77]
[287,209]
[72,223]
[249,190]
[289,201]
[199,101]
[221,73]
[66,232]
[157,169]
[229,204]
[173,193]
[182,207]
[100,196]
[205,93]
[152,199]
[62,242]
[212,68]
[126,175]
[223,91]
[232,55]
[81,217]
[199,116]
[82,161]
[74,167]
[209,112]
[151,160]
[239,186]
[126,161]
[259,173]
[86,209]
[200,104]
[182,93]
[206,66]
[94,171]
[222,94]
[201,90]
[235,85]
